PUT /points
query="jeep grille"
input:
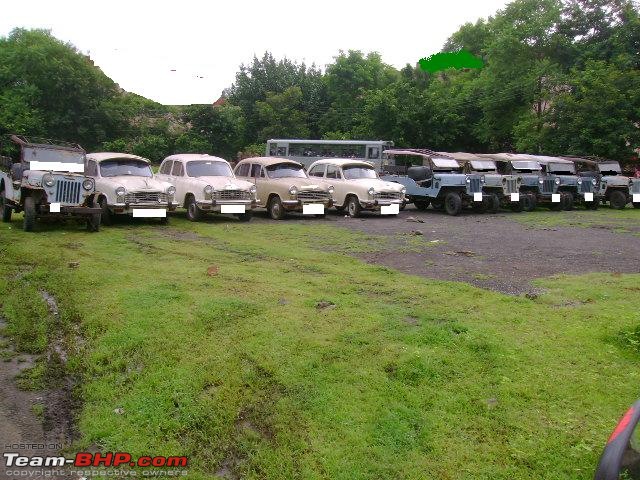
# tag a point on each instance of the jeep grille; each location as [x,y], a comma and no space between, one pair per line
[548,185]
[388,195]
[475,186]
[313,196]
[586,186]
[511,186]
[145,197]
[68,192]
[635,186]
[232,195]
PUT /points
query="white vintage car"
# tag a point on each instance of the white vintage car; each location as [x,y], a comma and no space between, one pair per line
[206,184]
[284,186]
[358,187]
[127,186]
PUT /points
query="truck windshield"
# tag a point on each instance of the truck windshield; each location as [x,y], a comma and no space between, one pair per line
[125,166]
[612,168]
[208,168]
[562,168]
[283,170]
[352,172]
[526,166]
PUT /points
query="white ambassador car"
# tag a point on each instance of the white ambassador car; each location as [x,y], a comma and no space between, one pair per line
[206,184]
[357,186]
[127,186]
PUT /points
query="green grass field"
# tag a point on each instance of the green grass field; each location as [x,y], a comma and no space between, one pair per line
[403,377]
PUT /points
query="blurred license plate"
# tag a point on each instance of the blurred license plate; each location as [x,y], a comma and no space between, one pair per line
[149,213]
[313,209]
[232,208]
[393,209]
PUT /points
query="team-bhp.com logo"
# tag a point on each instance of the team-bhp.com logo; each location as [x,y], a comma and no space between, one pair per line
[86,459]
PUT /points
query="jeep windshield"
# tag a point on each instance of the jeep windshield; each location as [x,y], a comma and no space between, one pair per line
[524,166]
[446,164]
[612,168]
[483,165]
[208,168]
[353,172]
[125,167]
[284,170]
[562,168]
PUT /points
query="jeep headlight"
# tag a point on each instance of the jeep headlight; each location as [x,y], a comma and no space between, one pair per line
[330,189]
[557,181]
[88,184]
[120,191]
[48,180]
[594,181]
[482,178]
[171,190]
[372,191]
[579,181]
[540,181]
[468,180]
[208,190]
[293,190]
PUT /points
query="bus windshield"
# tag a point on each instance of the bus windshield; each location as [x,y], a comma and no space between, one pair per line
[284,170]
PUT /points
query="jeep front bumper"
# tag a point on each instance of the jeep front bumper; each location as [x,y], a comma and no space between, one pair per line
[68,210]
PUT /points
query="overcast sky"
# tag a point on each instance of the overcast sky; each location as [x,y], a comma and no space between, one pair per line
[139,43]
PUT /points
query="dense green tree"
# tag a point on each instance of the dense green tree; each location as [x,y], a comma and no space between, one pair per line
[282,115]
[218,130]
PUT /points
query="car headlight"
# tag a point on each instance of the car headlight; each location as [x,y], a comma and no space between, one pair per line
[171,190]
[331,189]
[403,190]
[594,181]
[253,189]
[208,190]
[372,191]
[48,180]
[120,191]
[293,190]
[557,181]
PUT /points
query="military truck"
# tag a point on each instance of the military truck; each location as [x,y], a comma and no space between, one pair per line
[499,190]
[432,178]
[607,179]
[47,181]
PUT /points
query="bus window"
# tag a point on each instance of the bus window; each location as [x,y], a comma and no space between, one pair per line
[273,149]
[281,152]
[374,153]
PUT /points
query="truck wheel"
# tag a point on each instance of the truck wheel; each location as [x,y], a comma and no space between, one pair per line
[618,200]
[353,206]
[568,201]
[106,214]
[494,203]
[276,210]
[244,217]
[193,211]
[453,203]
[29,214]
[421,204]
[4,208]
[530,202]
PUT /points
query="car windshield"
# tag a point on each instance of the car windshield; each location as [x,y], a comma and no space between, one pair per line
[352,172]
[208,168]
[125,166]
[526,166]
[562,168]
[283,170]
[483,165]
[610,168]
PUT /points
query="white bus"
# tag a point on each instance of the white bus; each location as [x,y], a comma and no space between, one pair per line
[308,151]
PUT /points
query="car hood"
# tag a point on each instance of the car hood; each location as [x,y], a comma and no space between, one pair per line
[301,183]
[377,184]
[134,183]
[224,183]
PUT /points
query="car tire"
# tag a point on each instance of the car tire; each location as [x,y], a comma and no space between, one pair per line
[568,201]
[421,204]
[193,211]
[618,200]
[530,202]
[353,206]
[275,208]
[453,203]
[244,217]
[29,224]
[4,208]
[106,214]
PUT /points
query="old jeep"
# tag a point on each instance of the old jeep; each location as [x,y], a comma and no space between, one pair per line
[606,178]
[570,184]
[499,190]
[47,181]
[432,178]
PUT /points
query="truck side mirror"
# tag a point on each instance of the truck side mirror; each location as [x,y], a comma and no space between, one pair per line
[621,456]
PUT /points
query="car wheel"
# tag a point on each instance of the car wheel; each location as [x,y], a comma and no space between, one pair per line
[244,217]
[29,214]
[453,203]
[530,202]
[353,206]
[4,208]
[618,200]
[276,210]
[568,201]
[193,211]
[106,214]
[421,204]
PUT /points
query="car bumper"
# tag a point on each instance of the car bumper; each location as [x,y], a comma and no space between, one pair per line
[298,205]
[128,208]
[379,203]
[216,206]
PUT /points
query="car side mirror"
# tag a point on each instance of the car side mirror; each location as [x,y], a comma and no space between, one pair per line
[621,456]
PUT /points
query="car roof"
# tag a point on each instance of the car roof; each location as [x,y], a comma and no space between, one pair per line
[341,162]
[187,157]
[268,161]
[100,156]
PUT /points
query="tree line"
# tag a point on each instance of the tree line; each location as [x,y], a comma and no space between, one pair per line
[559,77]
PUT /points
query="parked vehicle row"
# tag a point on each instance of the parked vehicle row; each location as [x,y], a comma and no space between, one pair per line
[53,180]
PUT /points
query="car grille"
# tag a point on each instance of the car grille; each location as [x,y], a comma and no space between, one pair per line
[68,192]
[635,186]
[511,186]
[548,186]
[475,185]
[232,195]
[388,195]
[145,197]
[313,196]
